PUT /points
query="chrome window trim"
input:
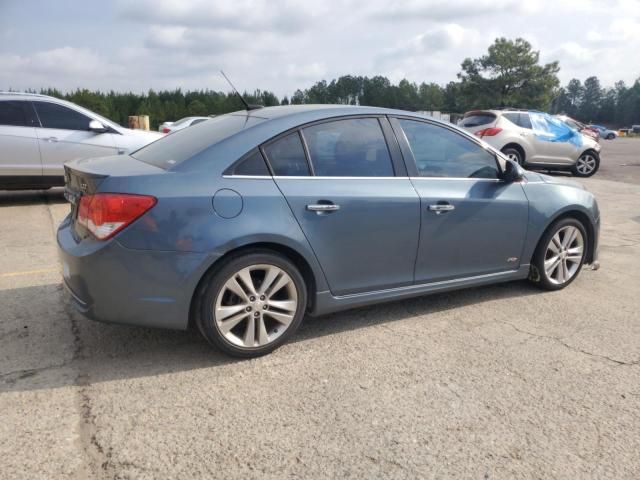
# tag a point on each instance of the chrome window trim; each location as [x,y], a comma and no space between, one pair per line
[254,177]
[458,178]
[284,177]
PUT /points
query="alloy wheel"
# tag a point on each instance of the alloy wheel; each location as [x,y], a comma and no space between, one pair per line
[256,305]
[586,164]
[563,256]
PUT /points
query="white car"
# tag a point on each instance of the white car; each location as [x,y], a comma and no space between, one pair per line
[38,134]
[535,140]
[168,127]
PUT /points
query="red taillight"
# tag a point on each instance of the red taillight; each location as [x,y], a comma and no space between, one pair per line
[488,132]
[105,214]
[166,130]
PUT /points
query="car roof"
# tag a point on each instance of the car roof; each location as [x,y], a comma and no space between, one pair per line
[300,114]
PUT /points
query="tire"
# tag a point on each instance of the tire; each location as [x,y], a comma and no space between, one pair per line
[243,320]
[514,154]
[611,136]
[553,250]
[587,165]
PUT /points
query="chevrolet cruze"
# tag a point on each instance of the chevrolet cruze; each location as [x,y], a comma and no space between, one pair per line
[244,223]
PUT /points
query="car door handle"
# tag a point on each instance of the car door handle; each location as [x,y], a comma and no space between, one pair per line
[441,208]
[52,139]
[323,207]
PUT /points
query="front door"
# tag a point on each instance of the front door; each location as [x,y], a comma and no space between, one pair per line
[361,220]
[472,222]
[65,136]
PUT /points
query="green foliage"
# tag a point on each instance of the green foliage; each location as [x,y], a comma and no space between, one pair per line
[590,103]
[509,75]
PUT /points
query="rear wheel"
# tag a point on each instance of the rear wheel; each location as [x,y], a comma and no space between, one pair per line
[560,255]
[514,154]
[587,165]
[252,305]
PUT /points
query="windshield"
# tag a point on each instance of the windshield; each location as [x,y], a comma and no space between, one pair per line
[174,149]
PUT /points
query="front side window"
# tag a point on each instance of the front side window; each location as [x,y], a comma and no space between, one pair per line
[57,116]
[286,156]
[13,113]
[349,148]
[440,152]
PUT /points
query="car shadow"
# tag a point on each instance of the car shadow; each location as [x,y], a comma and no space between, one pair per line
[11,198]
[92,352]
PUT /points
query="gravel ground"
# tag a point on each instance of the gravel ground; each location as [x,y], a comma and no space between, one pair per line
[496,382]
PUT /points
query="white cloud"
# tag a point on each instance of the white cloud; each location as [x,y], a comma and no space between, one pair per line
[282,45]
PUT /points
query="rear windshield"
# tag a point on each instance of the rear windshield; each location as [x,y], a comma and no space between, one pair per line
[477,119]
[174,149]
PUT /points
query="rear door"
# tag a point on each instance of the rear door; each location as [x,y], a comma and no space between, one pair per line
[472,223]
[350,194]
[19,152]
[64,135]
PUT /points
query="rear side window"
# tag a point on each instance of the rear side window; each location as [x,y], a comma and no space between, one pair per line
[286,156]
[14,113]
[181,145]
[253,164]
[349,148]
[58,116]
[440,152]
[477,119]
[520,119]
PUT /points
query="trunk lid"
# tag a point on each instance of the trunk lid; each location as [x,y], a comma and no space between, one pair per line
[85,176]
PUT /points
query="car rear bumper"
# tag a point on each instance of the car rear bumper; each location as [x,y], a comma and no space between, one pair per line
[111,283]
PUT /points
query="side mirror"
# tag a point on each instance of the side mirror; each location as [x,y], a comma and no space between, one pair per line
[97,127]
[512,172]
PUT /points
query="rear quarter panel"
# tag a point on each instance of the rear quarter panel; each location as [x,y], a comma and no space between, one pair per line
[184,218]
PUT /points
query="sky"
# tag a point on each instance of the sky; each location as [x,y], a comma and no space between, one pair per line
[282,45]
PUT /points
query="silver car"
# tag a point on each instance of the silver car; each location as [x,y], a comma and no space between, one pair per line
[535,140]
[168,127]
[38,134]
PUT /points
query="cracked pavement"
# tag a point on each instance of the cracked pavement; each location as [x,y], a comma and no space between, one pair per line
[496,382]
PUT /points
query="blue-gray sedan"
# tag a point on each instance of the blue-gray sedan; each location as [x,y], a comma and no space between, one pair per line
[244,223]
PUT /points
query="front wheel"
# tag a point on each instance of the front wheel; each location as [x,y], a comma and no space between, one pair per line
[611,136]
[587,165]
[560,255]
[252,305]
[514,155]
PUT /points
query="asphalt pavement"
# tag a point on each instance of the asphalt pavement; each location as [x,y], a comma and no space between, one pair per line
[497,382]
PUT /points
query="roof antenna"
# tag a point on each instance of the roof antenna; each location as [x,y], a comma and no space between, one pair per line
[247,106]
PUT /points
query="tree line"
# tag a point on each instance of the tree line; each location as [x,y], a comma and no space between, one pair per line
[509,75]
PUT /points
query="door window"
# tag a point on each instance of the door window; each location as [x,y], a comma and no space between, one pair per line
[520,119]
[286,156]
[349,148]
[57,116]
[440,152]
[13,113]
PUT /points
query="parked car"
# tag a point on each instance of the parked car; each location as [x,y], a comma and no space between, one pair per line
[243,224]
[604,132]
[180,124]
[38,134]
[535,140]
[580,127]
[164,125]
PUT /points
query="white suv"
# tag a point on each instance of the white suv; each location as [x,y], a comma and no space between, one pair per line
[38,134]
[535,140]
